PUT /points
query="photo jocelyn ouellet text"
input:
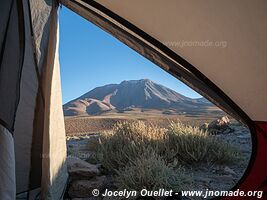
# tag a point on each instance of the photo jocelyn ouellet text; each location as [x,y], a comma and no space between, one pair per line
[166,193]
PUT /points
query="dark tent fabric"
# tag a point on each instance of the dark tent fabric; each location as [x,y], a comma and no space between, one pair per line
[32,132]
[11,59]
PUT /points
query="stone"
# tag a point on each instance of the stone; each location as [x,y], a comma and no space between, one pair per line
[84,188]
[202,179]
[80,170]
[220,126]
[245,136]
[228,177]
[228,170]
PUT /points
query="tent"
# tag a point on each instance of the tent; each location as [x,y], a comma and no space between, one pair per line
[217,47]
[32,144]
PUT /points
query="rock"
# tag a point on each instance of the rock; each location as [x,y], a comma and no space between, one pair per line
[228,170]
[79,169]
[246,136]
[202,179]
[225,178]
[84,188]
[220,126]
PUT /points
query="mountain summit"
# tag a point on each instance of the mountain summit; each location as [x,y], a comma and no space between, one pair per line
[143,94]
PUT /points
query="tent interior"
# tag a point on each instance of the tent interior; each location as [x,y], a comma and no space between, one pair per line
[32,132]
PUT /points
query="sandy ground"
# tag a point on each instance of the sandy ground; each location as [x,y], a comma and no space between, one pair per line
[214,177]
[93,124]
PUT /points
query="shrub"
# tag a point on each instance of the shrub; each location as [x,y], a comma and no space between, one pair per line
[190,145]
[150,171]
[126,142]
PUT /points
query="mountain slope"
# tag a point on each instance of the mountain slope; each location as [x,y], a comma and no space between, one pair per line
[143,94]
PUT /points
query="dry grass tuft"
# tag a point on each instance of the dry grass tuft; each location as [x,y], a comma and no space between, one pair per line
[150,171]
[147,156]
[126,142]
[190,146]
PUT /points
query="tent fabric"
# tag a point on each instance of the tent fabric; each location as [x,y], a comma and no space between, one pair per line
[7,165]
[23,134]
[239,69]
[31,105]
[41,11]
[54,169]
[149,51]
[34,158]
[11,51]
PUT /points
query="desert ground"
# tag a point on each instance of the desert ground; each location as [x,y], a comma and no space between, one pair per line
[78,125]
[82,130]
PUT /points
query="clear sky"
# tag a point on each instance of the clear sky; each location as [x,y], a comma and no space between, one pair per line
[90,57]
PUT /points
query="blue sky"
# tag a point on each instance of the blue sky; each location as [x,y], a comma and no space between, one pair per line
[90,57]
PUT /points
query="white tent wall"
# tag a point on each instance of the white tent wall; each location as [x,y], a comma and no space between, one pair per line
[45,31]
[239,69]
[23,133]
[34,157]
[54,169]
[7,165]
[11,61]
[41,11]
[91,11]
